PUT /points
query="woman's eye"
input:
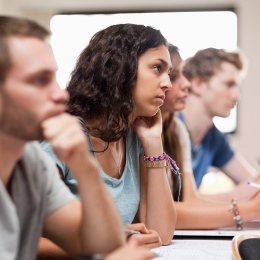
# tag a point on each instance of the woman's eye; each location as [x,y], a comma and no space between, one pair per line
[173,77]
[157,68]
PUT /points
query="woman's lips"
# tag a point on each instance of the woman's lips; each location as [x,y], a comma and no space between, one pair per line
[162,97]
[183,98]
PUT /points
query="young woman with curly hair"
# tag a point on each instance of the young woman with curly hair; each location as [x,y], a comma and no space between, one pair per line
[116,90]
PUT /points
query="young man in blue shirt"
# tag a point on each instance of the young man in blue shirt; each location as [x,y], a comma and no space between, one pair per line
[215,75]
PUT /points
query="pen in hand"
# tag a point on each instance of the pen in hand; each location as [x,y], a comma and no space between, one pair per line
[131,232]
[253,184]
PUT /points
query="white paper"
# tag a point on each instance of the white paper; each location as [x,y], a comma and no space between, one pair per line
[191,249]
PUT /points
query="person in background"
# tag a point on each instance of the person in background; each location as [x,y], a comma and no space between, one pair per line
[194,210]
[34,201]
[175,136]
[215,75]
[116,90]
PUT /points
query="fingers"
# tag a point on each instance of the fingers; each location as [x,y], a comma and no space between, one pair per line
[148,238]
[151,240]
[66,136]
[139,227]
[146,127]
[53,125]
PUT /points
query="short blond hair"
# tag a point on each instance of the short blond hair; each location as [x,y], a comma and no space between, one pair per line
[205,63]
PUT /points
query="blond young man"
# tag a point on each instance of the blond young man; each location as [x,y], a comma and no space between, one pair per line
[215,76]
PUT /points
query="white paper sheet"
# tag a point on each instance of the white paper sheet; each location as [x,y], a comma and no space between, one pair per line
[191,249]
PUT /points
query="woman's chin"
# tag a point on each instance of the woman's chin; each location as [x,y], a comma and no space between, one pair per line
[148,113]
[153,113]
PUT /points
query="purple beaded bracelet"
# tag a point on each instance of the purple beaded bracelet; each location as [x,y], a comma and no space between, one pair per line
[170,162]
[152,159]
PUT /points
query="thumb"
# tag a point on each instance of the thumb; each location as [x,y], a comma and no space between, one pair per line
[132,242]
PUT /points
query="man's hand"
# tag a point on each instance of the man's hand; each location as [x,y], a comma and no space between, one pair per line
[68,140]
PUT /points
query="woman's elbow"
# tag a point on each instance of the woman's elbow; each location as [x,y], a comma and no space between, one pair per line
[166,239]
[167,236]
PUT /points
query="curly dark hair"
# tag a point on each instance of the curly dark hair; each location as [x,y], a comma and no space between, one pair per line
[101,83]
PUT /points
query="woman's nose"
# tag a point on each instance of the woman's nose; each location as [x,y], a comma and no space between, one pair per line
[185,83]
[166,83]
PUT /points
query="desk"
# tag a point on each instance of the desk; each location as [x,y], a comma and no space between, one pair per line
[196,249]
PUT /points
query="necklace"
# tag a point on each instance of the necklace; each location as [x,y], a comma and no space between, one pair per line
[117,162]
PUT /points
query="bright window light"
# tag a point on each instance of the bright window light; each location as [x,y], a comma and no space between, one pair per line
[190,31]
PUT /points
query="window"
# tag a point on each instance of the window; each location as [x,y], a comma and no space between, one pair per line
[190,31]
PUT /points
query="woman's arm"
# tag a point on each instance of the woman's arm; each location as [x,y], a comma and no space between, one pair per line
[215,215]
[157,209]
[198,212]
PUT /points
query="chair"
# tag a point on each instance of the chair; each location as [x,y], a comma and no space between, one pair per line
[246,247]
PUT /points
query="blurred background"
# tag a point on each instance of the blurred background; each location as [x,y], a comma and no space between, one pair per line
[189,24]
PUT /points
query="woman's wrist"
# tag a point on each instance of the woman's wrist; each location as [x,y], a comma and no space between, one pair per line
[247,210]
[152,147]
[236,213]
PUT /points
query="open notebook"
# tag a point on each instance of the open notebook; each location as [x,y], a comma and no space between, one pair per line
[193,249]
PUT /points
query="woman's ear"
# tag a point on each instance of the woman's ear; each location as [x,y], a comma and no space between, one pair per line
[196,86]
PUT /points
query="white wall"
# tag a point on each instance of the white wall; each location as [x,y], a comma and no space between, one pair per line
[246,138]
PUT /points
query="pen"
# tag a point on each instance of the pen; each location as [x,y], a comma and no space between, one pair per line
[131,232]
[257,185]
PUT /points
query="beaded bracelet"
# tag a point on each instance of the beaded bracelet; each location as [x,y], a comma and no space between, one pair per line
[157,162]
[163,161]
[237,217]
[159,158]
